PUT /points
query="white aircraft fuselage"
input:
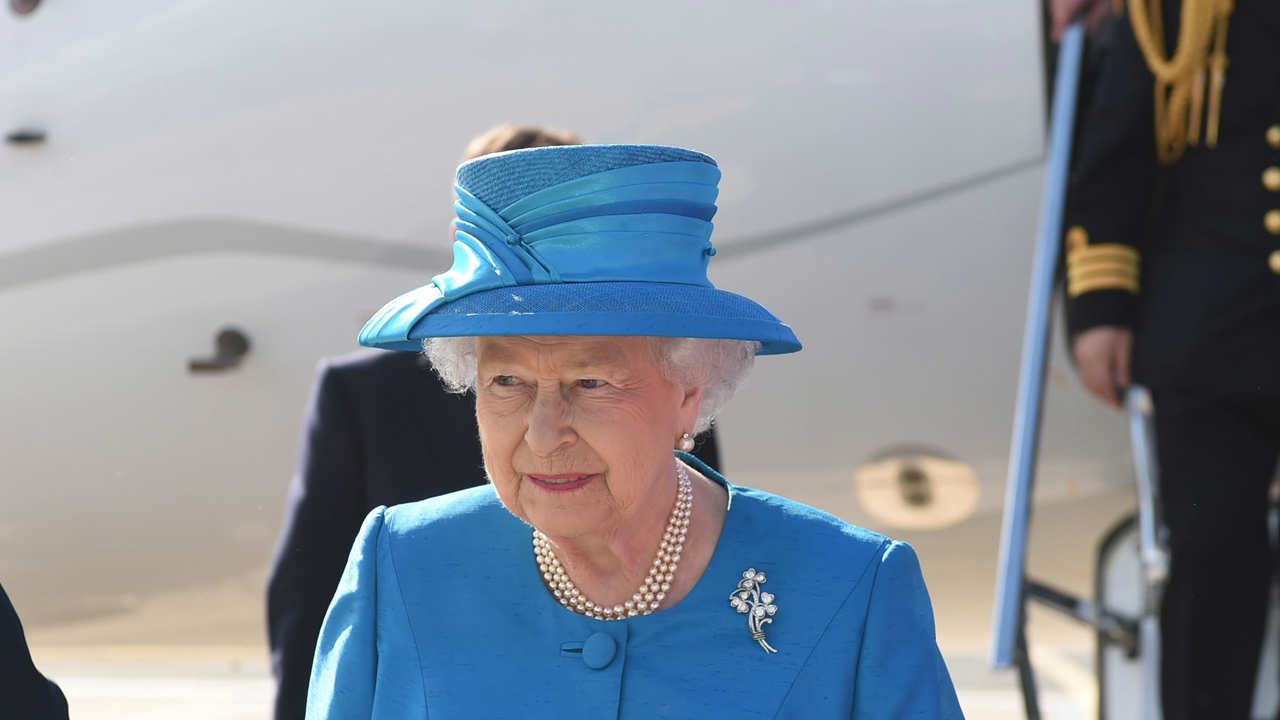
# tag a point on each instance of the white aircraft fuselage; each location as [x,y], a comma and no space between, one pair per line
[284,168]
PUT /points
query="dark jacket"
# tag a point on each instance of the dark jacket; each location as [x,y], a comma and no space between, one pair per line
[380,430]
[1187,255]
[24,692]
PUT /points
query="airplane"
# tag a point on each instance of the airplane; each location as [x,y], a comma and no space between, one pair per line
[201,199]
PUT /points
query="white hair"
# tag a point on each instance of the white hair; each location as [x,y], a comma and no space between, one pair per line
[714,364]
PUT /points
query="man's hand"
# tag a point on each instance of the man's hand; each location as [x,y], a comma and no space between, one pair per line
[1102,359]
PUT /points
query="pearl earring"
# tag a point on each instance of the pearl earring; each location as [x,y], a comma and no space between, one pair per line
[686,442]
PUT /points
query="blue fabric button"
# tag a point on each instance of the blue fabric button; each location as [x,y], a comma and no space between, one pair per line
[598,651]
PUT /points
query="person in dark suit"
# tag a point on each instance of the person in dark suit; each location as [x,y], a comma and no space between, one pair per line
[380,430]
[1173,280]
[24,692]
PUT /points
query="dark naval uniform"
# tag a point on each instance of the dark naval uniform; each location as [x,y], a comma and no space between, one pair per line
[1186,253]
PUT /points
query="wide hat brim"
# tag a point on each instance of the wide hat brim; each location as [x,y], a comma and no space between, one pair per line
[580,240]
[579,308]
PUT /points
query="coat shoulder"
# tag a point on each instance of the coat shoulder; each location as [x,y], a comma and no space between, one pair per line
[471,516]
[810,535]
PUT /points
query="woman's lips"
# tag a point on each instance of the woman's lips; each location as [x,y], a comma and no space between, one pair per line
[561,483]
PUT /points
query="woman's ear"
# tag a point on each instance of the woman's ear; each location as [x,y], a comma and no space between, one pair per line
[690,404]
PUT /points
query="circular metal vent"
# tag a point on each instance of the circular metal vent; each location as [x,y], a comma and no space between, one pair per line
[917,489]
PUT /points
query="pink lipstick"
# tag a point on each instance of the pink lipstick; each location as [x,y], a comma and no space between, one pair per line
[564,482]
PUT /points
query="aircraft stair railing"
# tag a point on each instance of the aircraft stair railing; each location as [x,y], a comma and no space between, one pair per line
[1153,553]
[1114,628]
[1010,642]
[1137,635]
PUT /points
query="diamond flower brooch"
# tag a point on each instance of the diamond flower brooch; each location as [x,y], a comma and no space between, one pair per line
[758,606]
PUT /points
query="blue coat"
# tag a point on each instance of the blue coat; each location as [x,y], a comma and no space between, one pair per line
[359,452]
[441,613]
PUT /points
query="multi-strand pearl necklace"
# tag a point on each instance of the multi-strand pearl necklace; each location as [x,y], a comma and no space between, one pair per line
[656,584]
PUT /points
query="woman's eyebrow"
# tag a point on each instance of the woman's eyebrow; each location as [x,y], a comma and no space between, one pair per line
[594,356]
[501,355]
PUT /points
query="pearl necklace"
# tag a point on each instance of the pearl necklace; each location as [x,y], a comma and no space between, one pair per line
[655,586]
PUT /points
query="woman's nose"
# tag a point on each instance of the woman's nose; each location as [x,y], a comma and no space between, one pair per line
[549,429]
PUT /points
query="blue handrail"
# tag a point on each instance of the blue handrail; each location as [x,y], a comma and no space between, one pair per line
[1035,345]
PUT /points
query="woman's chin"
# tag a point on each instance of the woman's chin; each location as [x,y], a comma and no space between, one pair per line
[565,522]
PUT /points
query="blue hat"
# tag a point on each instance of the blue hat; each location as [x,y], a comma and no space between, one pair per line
[580,240]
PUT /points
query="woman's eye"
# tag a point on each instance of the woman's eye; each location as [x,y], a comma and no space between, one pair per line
[505,380]
[590,383]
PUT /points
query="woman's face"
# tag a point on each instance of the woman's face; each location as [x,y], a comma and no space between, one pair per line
[577,432]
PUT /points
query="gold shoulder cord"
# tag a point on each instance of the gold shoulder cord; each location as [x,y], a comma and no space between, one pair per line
[1180,80]
[1179,106]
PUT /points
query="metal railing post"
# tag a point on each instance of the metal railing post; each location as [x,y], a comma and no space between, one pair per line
[1152,555]
[1035,346]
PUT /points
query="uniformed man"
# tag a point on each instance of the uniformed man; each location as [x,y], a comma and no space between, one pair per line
[1173,269]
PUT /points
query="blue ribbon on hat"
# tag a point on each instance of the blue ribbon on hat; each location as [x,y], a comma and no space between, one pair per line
[644,223]
[641,223]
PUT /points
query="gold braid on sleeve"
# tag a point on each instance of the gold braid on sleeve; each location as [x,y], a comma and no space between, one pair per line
[1180,87]
[1107,266]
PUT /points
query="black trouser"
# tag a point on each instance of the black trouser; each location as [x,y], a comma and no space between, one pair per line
[1217,456]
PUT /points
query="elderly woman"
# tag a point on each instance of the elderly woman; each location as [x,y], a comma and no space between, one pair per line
[601,574]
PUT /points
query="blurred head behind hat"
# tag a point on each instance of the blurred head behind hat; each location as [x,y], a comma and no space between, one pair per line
[507,136]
